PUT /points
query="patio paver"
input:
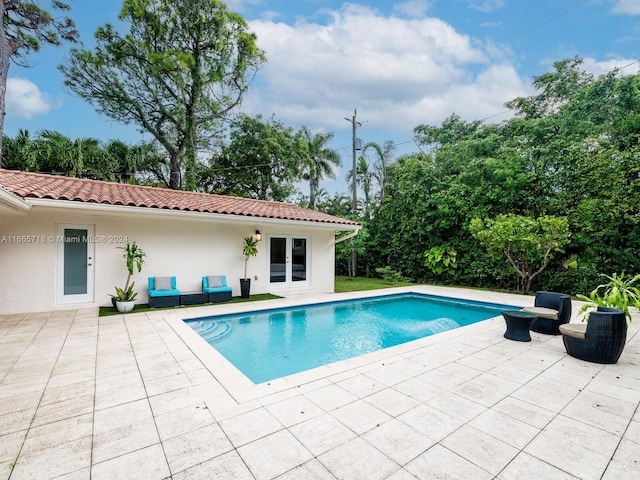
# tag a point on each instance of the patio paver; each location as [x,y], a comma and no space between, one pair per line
[141,396]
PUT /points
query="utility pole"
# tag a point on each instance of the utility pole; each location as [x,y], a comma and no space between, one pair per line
[354,205]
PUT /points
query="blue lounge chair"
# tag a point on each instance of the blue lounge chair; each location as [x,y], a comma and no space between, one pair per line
[163,292]
[216,287]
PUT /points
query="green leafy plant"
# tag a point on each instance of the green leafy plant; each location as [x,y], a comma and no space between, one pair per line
[249,249]
[527,243]
[390,275]
[127,295]
[619,292]
[134,257]
[441,260]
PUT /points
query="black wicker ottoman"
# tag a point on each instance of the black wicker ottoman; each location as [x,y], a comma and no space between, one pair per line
[164,301]
[518,324]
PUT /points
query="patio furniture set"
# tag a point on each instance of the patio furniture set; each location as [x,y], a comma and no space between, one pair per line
[163,292]
[601,339]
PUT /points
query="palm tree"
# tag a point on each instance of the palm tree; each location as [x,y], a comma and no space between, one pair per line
[72,156]
[364,178]
[339,205]
[126,159]
[25,153]
[385,158]
[319,162]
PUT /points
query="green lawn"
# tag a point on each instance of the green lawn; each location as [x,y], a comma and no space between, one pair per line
[357,284]
[143,307]
[342,284]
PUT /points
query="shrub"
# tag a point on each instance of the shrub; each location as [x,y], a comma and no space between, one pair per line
[390,275]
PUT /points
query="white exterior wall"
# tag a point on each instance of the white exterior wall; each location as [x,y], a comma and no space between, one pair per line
[187,246]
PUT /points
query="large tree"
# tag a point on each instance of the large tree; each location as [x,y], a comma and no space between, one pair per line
[262,160]
[25,27]
[181,68]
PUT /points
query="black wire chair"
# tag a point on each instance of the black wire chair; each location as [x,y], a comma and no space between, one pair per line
[600,340]
[553,309]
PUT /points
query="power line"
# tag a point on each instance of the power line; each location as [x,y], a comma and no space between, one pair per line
[546,18]
[628,65]
[559,32]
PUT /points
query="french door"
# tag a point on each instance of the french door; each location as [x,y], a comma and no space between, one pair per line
[288,260]
[74,263]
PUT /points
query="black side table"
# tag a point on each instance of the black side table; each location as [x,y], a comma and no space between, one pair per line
[518,324]
[193,298]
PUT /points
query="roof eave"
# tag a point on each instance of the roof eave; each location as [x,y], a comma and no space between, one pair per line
[133,210]
[13,202]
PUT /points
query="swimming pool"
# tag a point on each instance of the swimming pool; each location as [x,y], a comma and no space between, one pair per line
[270,344]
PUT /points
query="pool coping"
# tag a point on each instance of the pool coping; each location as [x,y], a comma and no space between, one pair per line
[241,389]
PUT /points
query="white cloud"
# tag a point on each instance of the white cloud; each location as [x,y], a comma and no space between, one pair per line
[486,5]
[591,65]
[24,99]
[398,72]
[413,8]
[631,7]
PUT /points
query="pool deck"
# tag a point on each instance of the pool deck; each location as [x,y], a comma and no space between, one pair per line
[143,396]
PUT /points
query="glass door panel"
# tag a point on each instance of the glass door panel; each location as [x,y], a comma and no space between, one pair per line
[75,261]
[289,260]
[74,264]
[278,260]
[299,260]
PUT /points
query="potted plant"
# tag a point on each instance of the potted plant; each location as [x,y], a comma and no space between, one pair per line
[249,249]
[619,293]
[125,297]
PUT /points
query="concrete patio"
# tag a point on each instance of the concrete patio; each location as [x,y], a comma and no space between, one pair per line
[142,396]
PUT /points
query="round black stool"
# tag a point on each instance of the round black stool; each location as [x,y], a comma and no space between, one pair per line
[518,324]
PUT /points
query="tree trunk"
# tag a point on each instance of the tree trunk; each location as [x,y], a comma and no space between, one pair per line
[190,129]
[5,59]
[190,181]
[313,187]
[174,176]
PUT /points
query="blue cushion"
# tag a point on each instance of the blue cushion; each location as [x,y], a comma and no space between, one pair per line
[216,289]
[164,293]
[153,292]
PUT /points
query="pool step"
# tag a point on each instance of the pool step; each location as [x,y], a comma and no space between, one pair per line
[211,330]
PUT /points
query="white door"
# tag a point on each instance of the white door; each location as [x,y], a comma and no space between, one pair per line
[288,260]
[74,263]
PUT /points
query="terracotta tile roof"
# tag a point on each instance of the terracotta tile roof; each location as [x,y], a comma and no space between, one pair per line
[33,185]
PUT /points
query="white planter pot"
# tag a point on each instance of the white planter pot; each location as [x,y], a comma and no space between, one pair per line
[125,307]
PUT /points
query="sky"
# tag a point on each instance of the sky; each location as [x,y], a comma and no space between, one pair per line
[399,64]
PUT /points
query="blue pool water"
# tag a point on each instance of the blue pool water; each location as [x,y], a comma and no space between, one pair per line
[270,344]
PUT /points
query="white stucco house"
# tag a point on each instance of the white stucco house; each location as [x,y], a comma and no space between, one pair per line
[59,239]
